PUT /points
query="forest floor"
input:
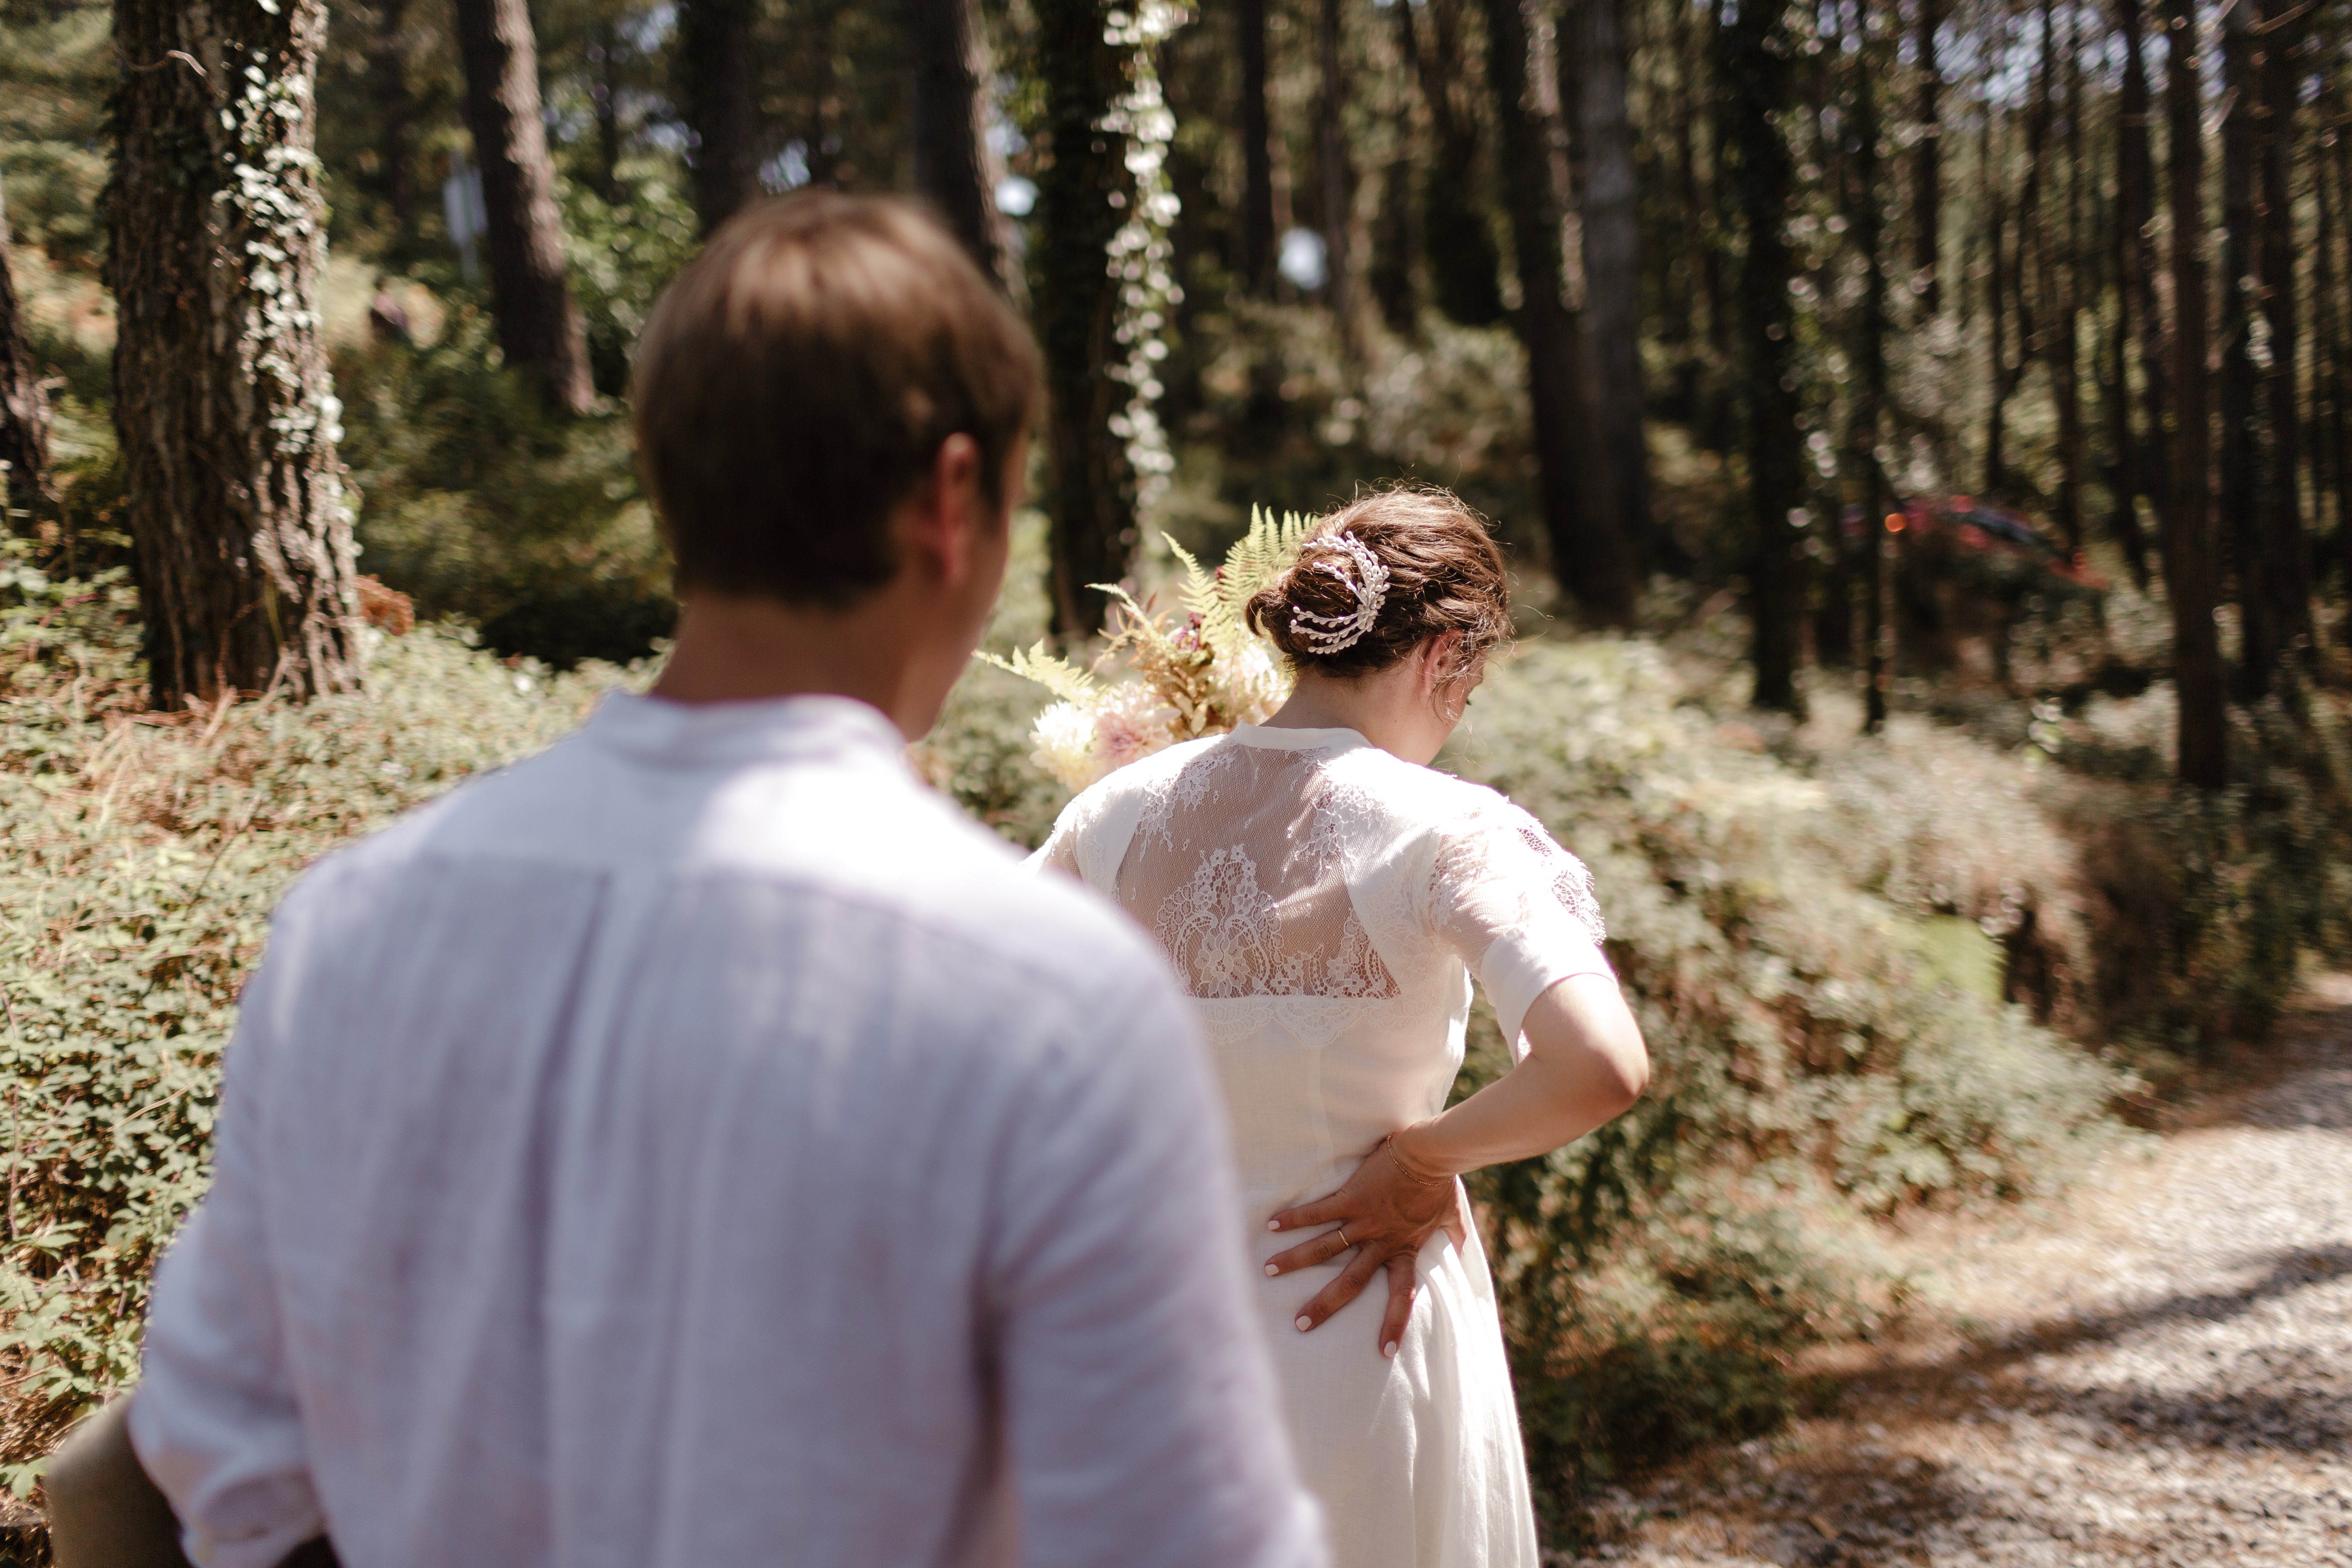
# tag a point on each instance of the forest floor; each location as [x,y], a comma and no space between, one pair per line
[2154,1367]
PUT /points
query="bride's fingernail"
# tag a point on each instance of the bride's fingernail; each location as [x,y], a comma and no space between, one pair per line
[1305,1323]
[1271,1270]
[1389,1349]
[1274,1224]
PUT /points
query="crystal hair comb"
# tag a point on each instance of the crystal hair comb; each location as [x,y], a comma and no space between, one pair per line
[1370,583]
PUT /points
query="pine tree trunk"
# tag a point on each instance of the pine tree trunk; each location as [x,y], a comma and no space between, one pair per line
[947,126]
[1257,150]
[23,404]
[1465,264]
[1927,166]
[2065,344]
[2331,460]
[2234,391]
[1994,201]
[540,324]
[241,538]
[395,119]
[719,91]
[1868,227]
[2190,565]
[2285,588]
[2130,261]
[1338,178]
[1089,492]
[2136,184]
[1612,283]
[1590,558]
[1760,178]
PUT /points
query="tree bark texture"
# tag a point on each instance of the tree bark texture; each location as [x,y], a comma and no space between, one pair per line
[1758,176]
[1868,228]
[2285,582]
[1927,165]
[1612,283]
[1258,150]
[540,324]
[2062,273]
[718,89]
[241,540]
[947,126]
[395,119]
[1589,555]
[1090,493]
[2190,565]
[24,402]
[2240,459]
[1465,264]
[1338,176]
[2145,463]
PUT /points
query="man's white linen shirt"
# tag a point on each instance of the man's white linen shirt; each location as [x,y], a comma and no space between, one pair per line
[699,1146]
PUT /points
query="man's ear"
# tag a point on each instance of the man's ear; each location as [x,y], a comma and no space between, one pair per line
[941,519]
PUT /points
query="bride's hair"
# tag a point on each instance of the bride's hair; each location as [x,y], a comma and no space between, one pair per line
[1422,564]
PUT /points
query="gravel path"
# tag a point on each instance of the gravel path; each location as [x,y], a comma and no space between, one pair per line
[2157,1370]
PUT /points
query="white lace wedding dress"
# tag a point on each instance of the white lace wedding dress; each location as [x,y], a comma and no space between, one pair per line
[1328,904]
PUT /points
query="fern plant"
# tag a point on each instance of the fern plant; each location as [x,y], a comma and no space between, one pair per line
[1161,680]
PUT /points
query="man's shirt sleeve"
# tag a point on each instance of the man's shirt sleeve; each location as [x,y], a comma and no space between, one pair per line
[213,1419]
[1139,1401]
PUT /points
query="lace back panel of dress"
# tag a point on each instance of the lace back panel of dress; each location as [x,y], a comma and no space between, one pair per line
[1236,866]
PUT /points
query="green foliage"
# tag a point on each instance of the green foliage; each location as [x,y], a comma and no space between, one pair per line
[484,506]
[143,856]
[621,253]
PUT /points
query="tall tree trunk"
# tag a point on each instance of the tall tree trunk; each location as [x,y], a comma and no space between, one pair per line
[1338,178]
[1089,492]
[718,89]
[1465,264]
[1867,226]
[540,324]
[1257,150]
[2234,391]
[2189,564]
[2331,462]
[2063,273]
[1927,165]
[2132,472]
[1995,204]
[395,119]
[1759,179]
[1683,326]
[2136,190]
[241,537]
[1589,555]
[2285,588]
[24,402]
[1612,283]
[606,98]
[947,124]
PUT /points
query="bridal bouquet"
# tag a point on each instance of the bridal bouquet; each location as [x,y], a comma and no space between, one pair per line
[1162,679]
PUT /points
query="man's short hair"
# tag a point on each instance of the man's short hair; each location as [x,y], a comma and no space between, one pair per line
[794,384]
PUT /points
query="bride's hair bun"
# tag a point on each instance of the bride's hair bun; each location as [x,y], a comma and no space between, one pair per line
[1378,576]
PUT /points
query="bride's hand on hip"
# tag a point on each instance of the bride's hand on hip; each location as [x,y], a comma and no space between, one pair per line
[1382,1215]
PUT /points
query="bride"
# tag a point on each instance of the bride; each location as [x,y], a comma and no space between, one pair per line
[1326,897]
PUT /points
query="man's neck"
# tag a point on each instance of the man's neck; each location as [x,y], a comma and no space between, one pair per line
[743,649]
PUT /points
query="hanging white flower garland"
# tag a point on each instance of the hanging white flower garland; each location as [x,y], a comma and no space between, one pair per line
[1139,253]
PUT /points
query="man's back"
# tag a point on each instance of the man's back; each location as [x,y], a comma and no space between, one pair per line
[697,1146]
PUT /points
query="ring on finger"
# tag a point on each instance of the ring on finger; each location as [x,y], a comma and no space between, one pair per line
[1342,1232]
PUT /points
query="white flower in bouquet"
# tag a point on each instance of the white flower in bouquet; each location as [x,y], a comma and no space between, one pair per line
[1065,738]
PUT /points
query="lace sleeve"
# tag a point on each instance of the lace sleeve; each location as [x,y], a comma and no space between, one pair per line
[1058,853]
[1518,909]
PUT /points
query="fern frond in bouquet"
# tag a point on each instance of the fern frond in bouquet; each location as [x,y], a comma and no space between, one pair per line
[1169,680]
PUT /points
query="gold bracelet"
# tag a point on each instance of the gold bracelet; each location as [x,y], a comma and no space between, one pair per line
[1407,1171]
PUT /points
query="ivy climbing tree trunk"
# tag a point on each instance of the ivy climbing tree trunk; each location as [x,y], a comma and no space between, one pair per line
[1589,554]
[946,127]
[540,324]
[24,406]
[718,89]
[1759,179]
[241,541]
[1089,491]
